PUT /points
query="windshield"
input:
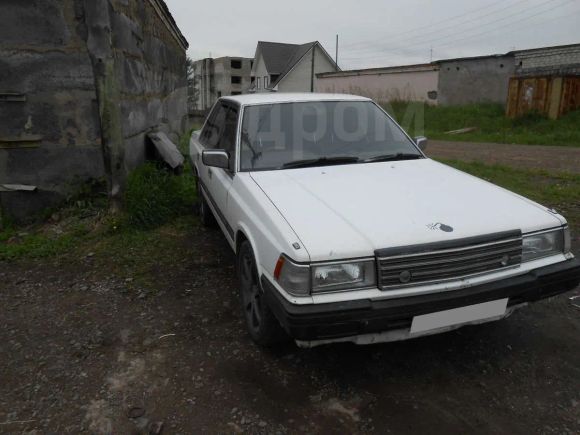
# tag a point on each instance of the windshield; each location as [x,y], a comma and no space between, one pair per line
[277,136]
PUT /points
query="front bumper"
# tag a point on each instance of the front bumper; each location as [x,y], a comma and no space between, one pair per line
[351,318]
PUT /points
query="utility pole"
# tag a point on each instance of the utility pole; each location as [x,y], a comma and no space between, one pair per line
[336,58]
[312,76]
[431,54]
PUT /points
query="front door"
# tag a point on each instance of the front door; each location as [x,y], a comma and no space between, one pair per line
[220,133]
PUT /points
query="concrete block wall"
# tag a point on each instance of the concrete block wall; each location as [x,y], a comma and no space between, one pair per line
[44,58]
[91,79]
[475,80]
[150,66]
[418,83]
[551,60]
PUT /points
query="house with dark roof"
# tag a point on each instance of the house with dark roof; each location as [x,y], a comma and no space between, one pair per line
[289,67]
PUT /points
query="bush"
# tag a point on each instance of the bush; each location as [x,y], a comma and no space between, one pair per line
[154,196]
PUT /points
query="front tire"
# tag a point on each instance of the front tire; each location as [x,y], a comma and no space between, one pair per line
[263,327]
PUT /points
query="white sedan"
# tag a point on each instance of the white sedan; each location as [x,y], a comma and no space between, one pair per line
[345,231]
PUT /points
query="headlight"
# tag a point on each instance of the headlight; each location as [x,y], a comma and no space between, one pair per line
[301,280]
[343,276]
[543,245]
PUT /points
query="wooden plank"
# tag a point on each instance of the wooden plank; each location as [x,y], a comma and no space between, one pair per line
[24,141]
[570,95]
[17,188]
[10,97]
[513,97]
[555,97]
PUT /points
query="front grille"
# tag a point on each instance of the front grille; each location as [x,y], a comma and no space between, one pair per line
[401,267]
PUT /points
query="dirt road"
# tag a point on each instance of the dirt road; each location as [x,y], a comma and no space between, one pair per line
[86,349]
[549,158]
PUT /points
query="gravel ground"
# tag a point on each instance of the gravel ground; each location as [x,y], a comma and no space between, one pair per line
[549,158]
[86,349]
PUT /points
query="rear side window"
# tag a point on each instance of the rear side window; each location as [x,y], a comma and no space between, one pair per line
[214,127]
[221,130]
[228,139]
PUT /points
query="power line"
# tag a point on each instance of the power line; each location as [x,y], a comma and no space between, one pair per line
[454,26]
[568,15]
[437,22]
[455,38]
[490,23]
[513,22]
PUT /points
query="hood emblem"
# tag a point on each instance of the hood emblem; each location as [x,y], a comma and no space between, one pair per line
[405,277]
[440,226]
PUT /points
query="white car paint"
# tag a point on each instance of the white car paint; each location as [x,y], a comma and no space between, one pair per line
[348,211]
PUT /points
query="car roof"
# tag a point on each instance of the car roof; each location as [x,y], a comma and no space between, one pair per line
[275,97]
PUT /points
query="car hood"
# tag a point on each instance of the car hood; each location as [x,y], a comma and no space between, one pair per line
[349,211]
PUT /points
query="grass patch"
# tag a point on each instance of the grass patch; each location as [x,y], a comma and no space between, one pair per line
[42,241]
[183,144]
[154,196]
[143,254]
[491,122]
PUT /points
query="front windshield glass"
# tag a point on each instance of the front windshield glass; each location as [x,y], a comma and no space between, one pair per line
[277,135]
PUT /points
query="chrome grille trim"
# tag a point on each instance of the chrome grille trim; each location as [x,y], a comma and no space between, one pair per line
[434,263]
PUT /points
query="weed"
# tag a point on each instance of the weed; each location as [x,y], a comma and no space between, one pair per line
[155,196]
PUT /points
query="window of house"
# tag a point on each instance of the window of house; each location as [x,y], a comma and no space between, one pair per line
[236,64]
[274,77]
[266,82]
[258,83]
[253,79]
[236,80]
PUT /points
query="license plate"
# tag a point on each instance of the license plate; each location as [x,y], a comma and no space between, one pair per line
[459,316]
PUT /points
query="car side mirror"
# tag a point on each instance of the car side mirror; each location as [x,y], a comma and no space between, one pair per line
[421,142]
[216,158]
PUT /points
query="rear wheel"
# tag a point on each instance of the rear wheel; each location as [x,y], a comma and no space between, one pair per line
[262,326]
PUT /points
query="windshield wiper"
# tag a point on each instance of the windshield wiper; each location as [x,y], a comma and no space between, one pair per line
[393,157]
[322,161]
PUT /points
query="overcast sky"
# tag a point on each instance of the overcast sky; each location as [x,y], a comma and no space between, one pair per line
[378,32]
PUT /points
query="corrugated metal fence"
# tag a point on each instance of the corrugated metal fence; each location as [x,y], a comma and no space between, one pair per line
[551,96]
